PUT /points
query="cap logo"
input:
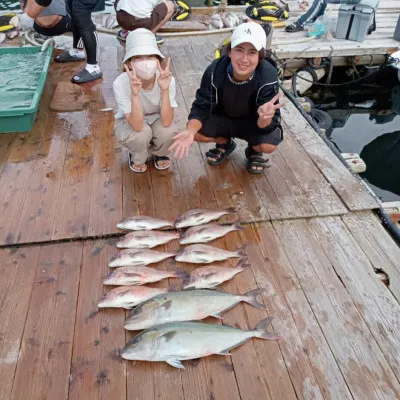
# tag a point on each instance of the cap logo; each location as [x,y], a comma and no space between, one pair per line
[248,31]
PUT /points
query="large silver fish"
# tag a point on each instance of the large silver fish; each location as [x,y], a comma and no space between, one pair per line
[129,257]
[177,341]
[204,254]
[143,223]
[186,305]
[140,275]
[212,276]
[128,296]
[207,233]
[146,239]
[199,216]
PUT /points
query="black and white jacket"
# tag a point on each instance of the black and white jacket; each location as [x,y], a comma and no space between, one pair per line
[264,86]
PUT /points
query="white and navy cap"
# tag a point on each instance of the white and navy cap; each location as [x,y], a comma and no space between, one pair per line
[249,32]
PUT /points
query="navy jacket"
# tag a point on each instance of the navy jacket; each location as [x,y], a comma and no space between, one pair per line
[264,86]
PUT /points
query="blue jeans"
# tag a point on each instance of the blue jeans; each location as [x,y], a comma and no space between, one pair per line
[318,8]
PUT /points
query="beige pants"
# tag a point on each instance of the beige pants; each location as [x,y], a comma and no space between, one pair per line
[154,139]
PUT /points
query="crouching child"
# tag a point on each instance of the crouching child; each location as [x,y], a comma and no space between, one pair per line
[145,95]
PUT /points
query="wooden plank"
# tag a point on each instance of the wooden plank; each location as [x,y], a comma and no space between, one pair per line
[382,252]
[319,193]
[106,198]
[364,367]
[374,302]
[17,271]
[97,371]
[6,143]
[18,169]
[252,361]
[72,218]
[312,367]
[196,185]
[44,362]
[350,190]
[38,211]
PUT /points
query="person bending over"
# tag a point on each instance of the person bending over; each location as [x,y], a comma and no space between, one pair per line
[148,14]
[53,20]
[145,96]
[236,99]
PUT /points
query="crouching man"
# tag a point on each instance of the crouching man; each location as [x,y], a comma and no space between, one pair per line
[145,95]
[236,99]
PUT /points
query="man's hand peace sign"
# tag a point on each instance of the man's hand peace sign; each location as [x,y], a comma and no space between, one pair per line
[267,110]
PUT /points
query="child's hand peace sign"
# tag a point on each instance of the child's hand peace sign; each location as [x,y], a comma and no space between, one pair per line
[164,79]
[136,83]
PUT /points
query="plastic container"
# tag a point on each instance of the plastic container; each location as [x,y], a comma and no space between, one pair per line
[354,22]
[21,119]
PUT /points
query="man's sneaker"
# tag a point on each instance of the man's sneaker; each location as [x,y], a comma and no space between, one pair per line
[159,39]
[122,34]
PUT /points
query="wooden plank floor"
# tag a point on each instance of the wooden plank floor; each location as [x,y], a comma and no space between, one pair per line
[339,322]
[69,179]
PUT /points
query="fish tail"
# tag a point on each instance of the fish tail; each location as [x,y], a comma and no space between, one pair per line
[251,298]
[231,210]
[262,333]
[237,226]
[243,264]
[241,252]
[182,274]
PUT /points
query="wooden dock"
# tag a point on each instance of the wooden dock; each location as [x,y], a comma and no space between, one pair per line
[312,237]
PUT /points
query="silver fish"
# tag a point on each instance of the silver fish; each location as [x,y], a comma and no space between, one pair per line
[210,277]
[198,216]
[207,233]
[137,257]
[128,296]
[146,239]
[204,254]
[177,341]
[140,223]
[186,305]
[140,275]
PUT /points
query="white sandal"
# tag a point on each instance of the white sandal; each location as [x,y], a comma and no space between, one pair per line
[133,167]
[162,158]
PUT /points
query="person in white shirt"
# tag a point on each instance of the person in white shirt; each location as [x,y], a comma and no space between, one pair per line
[145,96]
[148,14]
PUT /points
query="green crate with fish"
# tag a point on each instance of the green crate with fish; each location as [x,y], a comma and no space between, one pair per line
[23,73]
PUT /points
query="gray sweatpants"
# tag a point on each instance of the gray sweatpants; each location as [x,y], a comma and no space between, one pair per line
[153,139]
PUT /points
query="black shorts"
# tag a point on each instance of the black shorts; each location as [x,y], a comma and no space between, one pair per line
[245,129]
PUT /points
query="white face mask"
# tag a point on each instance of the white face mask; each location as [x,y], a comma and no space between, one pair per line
[145,69]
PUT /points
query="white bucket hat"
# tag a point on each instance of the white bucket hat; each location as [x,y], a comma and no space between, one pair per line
[249,32]
[141,42]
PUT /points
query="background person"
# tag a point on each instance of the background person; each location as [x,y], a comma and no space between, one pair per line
[148,14]
[83,33]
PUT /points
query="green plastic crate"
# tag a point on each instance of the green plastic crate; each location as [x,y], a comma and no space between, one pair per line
[22,119]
